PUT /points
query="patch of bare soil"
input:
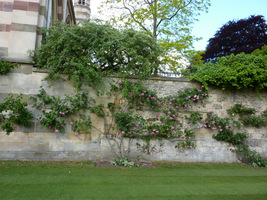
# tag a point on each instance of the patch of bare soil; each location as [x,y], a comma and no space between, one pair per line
[108,164]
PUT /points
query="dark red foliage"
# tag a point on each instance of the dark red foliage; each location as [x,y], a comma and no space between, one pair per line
[235,37]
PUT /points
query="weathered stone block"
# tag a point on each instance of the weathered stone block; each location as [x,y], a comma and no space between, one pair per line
[13,146]
[25,129]
[35,137]
[50,137]
[26,69]
[42,10]
[56,146]
[14,137]
[3,51]
[254,143]
[203,133]
[38,146]
[41,129]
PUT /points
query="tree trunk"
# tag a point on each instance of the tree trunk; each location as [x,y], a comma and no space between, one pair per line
[155,28]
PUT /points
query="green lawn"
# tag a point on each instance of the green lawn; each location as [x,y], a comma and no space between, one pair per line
[37,180]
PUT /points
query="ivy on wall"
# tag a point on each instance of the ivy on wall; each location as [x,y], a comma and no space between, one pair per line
[5,67]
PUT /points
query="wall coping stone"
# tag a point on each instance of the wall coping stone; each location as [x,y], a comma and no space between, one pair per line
[174,79]
[18,60]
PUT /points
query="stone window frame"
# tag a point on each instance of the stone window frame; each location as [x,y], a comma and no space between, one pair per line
[81,2]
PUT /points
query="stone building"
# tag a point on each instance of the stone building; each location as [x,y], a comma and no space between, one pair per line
[82,10]
[22,21]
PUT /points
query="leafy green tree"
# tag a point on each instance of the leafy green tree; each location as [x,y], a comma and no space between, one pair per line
[195,59]
[167,21]
[89,52]
[244,35]
[262,51]
[239,71]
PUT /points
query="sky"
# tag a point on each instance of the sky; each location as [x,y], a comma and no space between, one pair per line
[219,13]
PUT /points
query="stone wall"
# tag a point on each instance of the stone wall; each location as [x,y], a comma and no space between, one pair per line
[37,143]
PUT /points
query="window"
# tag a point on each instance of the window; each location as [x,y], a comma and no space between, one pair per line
[82,2]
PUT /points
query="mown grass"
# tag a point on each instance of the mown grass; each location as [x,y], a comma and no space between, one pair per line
[81,180]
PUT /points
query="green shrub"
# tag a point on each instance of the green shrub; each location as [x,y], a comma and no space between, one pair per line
[13,111]
[264,113]
[5,67]
[234,71]
[253,120]
[247,115]
[126,162]
[250,157]
[241,110]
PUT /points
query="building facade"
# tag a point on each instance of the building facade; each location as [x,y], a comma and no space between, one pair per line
[22,22]
[82,10]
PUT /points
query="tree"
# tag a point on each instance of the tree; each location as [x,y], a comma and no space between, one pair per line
[195,59]
[166,21]
[235,37]
[241,71]
[86,53]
